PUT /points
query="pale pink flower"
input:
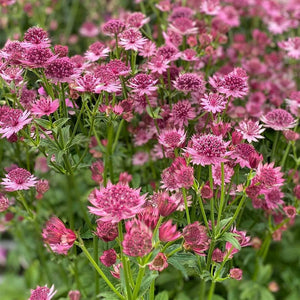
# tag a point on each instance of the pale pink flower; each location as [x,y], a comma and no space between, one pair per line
[18,179]
[250,130]
[42,293]
[207,149]
[217,174]
[278,119]
[184,26]
[44,106]
[181,12]
[158,65]
[5,3]
[142,84]
[293,103]
[290,211]
[148,49]
[57,236]
[12,74]
[109,82]
[137,240]
[140,158]
[210,7]
[159,263]
[213,102]
[164,5]
[116,202]
[182,112]
[236,273]
[86,83]
[42,187]
[96,51]
[173,39]
[242,153]
[88,29]
[132,39]
[189,55]
[137,20]
[172,138]
[229,15]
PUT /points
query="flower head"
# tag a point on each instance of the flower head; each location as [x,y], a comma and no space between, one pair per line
[159,263]
[207,149]
[4,203]
[116,202]
[138,239]
[106,231]
[18,179]
[96,51]
[213,102]
[143,84]
[189,82]
[236,273]
[113,27]
[182,112]
[250,130]
[57,236]
[217,174]
[172,138]
[36,36]
[132,39]
[184,26]
[278,119]
[44,106]
[42,293]
[292,46]
[109,257]
[60,70]
[242,153]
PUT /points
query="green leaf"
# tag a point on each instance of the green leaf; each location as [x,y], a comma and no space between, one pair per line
[162,296]
[107,296]
[147,280]
[78,139]
[43,123]
[60,123]
[265,294]
[229,237]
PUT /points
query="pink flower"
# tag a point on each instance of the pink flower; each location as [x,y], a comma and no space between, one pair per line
[42,293]
[137,20]
[172,138]
[12,121]
[74,295]
[57,236]
[108,81]
[4,203]
[18,179]
[217,174]
[44,106]
[229,15]
[109,257]
[140,158]
[142,84]
[243,240]
[96,51]
[113,27]
[213,102]
[189,82]
[210,7]
[207,149]
[196,238]
[279,119]
[182,112]
[189,55]
[168,52]
[148,49]
[36,36]
[159,263]
[118,67]
[290,211]
[218,255]
[250,130]
[149,215]
[60,69]
[166,204]
[158,65]
[132,39]
[184,26]
[89,29]
[242,153]
[38,57]
[273,198]
[116,202]
[86,83]
[42,187]
[97,169]
[292,46]
[138,239]
[168,232]
[106,231]
[236,273]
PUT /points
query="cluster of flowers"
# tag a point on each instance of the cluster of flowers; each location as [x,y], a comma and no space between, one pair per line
[180,111]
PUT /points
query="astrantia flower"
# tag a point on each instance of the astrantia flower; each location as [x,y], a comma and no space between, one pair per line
[42,293]
[182,112]
[172,138]
[213,102]
[168,232]
[36,36]
[184,26]
[189,55]
[165,203]
[229,15]
[207,149]
[169,53]
[235,84]
[292,46]
[96,51]
[44,106]
[242,153]
[250,130]
[132,39]
[37,57]
[158,65]
[60,70]
[148,49]
[140,158]
[210,7]
[57,236]
[278,119]
[113,27]
[89,29]
[236,273]
[217,174]
[4,203]
[118,67]
[109,257]
[273,198]
[137,240]
[142,84]
[137,20]
[86,83]
[116,202]
[159,263]
[18,179]
[189,82]
[13,121]
[267,176]
[109,82]
[106,231]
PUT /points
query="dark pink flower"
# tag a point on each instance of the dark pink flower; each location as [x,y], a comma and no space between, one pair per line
[207,149]
[236,273]
[18,179]
[113,27]
[57,236]
[44,106]
[38,57]
[60,69]
[36,36]
[165,203]
[106,231]
[279,119]
[213,102]
[189,82]
[109,257]
[137,20]
[159,263]
[142,84]
[218,255]
[137,240]
[42,293]
[116,202]
[132,39]
[42,187]
[290,211]
[242,153]
[118,67]
[74,295]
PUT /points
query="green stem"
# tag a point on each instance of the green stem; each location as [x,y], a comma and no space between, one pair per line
[95,246]
[274,148]
[222,197]
[212,207]
[186,206]
[138,281]
[211,290]
[202,290]
[100,272]
[117,136]
[24,202]
[152,290]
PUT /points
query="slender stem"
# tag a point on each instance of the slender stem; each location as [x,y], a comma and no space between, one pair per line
[138,281]
[186,206]
[212,216]
[100,272]
[152,290]
[275,146]
[211,290]
[222,197]
[95,246]
[117,136]
[24,202]
[202,290]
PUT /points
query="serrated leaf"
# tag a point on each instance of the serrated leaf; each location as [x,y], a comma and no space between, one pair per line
[229,237]
[162,296]
[43,123]
[78,139]
[60,122]
[107,296]
[224,222]
[147,280]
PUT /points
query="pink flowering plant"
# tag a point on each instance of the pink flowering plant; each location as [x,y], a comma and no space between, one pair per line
[157,156]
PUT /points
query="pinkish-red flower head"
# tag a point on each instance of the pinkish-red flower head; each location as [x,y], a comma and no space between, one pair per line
[42,293]
[109,257]
[106,231]
[278,119]
[236,273]
[168,232]
[159,263]
[44,106]
[189,82]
